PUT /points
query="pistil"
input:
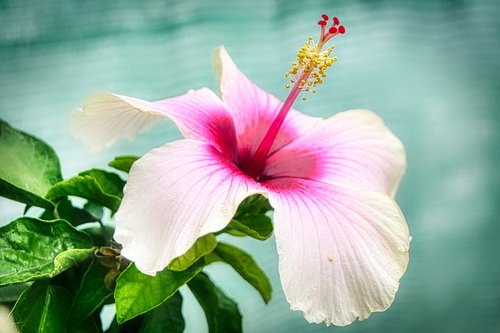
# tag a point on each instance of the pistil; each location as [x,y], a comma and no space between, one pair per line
[306,74]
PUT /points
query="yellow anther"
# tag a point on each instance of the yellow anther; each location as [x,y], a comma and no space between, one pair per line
[311,65]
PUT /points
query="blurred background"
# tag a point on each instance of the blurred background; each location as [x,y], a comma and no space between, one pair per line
[431,69]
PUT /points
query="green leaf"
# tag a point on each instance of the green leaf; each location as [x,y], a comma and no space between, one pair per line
[250,219]
[33,249]
[94,209]
[123,163]
[100,234]
[130,326]
[10,294]
[115,327]
[258,227]
[254,205]
[98,186]
[245,266]
[223,315]
[137,293]
[110,182]
[29,167]
[42,308]
[65,210]
[15,193]
[165,318]
[89,325]
[91,294]
[202,247]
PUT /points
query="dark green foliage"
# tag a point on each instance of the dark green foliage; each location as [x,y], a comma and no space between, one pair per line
[97,186]
[167,318]
[32,249]
[123,163]
[251,219]
[245,266]
[223,315]
[91,294]
[42,308]
[137,293]
[59,270]
[28,169]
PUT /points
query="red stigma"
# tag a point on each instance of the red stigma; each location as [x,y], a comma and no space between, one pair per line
[333,30]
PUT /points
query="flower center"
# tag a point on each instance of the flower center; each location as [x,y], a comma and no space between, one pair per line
[306,74]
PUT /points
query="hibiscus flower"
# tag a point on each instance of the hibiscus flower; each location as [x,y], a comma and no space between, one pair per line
[341,238]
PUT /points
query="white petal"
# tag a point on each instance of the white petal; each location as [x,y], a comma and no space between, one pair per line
[341,252]
[199,114]
[176,194]
[107,117]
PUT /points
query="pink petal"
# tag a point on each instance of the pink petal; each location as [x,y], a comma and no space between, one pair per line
[174,195]
[341,252]
[352,148]
[253,109]
[200,114]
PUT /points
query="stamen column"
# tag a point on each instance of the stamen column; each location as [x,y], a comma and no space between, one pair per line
[308,71]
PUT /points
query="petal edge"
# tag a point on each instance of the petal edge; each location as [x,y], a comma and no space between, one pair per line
[176,194]
[341,252]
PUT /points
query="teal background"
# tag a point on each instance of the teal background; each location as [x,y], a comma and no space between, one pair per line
[431,69]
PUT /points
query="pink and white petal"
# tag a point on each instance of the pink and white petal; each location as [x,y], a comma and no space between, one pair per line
[341,251]
[352,148]
[174,195]
[253,109]
[199,114]
[107,117]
